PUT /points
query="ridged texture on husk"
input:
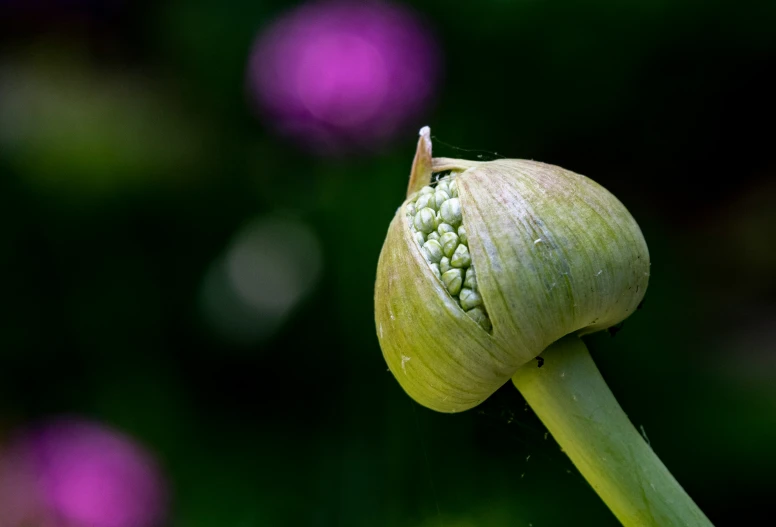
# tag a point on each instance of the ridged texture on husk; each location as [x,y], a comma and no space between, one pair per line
[555,254]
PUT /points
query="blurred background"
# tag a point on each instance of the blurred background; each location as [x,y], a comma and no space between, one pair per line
[193,197]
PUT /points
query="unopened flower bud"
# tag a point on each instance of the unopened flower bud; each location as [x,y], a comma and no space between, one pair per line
[452,281]
[434,250]
[451,212]
[425,220]
[461,257]
[445,228]
[449,242]
[555,254]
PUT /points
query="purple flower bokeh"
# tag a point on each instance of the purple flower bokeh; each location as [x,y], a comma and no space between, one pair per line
[83,474]
[344,75]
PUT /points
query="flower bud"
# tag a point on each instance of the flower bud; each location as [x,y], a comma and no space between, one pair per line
[453,186]
[470,299]
[461,231]
[450,211]
[460,257]
[449,242]
[471,278]
[425,220]
[426,201]
[444,228]
[434,251]
[452,281]
[478,315]
[440,196]
[444,265]
[555,254]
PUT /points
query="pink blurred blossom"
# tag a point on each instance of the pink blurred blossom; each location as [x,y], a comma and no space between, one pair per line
[339,75]
[76,473]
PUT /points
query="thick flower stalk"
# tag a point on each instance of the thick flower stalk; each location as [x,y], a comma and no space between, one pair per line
[556,256]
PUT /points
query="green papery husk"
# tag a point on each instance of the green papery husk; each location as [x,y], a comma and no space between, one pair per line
[555,252]
[439,355]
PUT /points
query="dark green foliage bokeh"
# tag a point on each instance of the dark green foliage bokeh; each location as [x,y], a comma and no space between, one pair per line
[668,104]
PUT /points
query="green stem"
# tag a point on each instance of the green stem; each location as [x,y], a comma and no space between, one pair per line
[572,399]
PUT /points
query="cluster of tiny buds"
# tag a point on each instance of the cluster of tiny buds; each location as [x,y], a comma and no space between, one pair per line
[434,215]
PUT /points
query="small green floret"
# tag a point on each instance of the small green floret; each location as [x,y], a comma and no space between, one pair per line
[461,257]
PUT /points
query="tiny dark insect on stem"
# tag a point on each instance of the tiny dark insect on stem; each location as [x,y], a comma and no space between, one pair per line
[540,360]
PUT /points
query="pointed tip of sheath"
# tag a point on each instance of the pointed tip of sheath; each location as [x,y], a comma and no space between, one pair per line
[421,166]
